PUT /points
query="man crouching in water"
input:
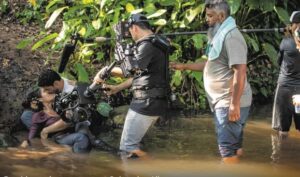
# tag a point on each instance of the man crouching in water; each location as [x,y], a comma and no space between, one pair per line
[149,86]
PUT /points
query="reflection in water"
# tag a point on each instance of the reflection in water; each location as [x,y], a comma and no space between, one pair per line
[285,149]
[186,148]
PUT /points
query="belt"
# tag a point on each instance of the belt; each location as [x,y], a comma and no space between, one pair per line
[150,93]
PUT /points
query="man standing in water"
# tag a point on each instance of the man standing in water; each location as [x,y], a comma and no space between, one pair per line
[288,83]
[149,85]
[228,92]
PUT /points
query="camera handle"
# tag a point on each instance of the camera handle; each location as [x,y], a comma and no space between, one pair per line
[95,86]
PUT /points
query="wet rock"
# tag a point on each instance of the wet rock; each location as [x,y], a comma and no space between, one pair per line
[7,140]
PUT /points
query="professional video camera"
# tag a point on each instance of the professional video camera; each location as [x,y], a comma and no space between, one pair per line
[75,107]
[81,104]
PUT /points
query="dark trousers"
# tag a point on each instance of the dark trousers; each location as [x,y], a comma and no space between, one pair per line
[284,110]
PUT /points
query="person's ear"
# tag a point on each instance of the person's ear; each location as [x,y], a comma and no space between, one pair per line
[56,84]
[221,16]
[135,28]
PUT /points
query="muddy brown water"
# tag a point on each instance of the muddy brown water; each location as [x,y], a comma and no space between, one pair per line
[185,148]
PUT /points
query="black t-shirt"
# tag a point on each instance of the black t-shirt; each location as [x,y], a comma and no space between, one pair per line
[153,60]
[289,61]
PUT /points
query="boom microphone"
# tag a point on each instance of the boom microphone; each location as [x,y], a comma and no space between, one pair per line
[68,50]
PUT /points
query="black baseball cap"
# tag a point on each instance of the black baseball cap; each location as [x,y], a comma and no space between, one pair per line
[138,18]
[295,17]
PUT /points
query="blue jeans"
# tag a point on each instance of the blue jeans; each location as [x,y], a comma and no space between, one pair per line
[229,134]
[26,118]
[79,142]
[135,127]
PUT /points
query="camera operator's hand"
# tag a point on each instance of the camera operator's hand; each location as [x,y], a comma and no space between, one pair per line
[111,89]
[100,74]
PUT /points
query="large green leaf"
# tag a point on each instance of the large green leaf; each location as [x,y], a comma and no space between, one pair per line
[157,13]
[87,1]
[253,4]
[263,91]
[53,17]
[252,42]
[82,73]
[267,5]
[150,8]
[234,5]
[192,13]
[167,2]
[24,43]
[63,32]
[96,24]
[177,78]
[102,4]
[44,40]
[52,3]
[198,76]
[160,22]
[271,52]
[198,40]
[283,14]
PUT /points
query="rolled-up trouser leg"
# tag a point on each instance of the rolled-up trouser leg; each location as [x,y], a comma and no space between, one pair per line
[135,127]
[229,134]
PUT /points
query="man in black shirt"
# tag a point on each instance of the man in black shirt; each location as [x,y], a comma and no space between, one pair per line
[148,83]
[288,83]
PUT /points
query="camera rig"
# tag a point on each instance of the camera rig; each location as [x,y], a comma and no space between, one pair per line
[74,106]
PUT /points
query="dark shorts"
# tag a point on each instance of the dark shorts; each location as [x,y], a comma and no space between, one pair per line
[284,110]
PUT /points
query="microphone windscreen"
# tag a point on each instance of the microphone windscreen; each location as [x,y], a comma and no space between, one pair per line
[67,51]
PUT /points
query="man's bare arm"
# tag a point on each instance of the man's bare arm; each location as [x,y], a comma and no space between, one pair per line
[188,66]
[239,79]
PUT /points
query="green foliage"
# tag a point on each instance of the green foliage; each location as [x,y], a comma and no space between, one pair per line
[3,7]
[44,40]
[91,18]
[24,43]
[32,12]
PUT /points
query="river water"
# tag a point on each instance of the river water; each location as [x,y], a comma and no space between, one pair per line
[185,148]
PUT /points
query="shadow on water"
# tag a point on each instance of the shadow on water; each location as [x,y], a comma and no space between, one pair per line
[185,148]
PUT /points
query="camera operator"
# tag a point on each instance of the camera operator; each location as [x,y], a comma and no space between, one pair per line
[148,83]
